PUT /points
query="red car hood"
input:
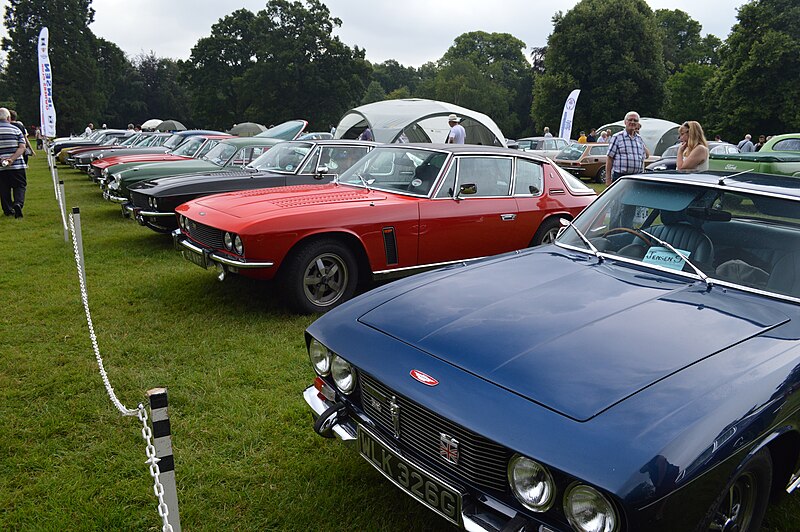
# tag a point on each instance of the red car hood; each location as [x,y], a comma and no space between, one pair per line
[144,157]
[255,203]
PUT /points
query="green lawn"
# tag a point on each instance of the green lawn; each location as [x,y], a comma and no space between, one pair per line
[233,361]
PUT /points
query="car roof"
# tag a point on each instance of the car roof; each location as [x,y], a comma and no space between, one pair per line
[335,142]
[742,181]
[250,141]
[465,149]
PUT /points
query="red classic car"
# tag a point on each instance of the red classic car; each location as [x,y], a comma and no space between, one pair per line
[399,210]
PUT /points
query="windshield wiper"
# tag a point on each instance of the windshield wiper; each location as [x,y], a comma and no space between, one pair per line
[363,181]
[595,251]
[669,246]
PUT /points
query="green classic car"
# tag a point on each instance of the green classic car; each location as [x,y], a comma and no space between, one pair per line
[228,154]
[779,155]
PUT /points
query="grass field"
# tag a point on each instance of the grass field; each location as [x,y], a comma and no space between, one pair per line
[233,361]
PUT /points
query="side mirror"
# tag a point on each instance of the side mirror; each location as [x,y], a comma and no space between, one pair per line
[321,171]
[467,189]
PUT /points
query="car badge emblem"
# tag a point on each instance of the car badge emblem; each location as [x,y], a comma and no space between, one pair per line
[448,448]
[424,378]
[394,411]
[202,213]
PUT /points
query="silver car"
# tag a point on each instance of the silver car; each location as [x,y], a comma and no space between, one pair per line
[544,146]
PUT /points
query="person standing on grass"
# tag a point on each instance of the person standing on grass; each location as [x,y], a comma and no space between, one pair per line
[626,150]
[12,166]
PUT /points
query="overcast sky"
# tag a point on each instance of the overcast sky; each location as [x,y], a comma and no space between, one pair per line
[409,31]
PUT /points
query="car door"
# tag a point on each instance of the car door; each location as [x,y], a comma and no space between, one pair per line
[477,225]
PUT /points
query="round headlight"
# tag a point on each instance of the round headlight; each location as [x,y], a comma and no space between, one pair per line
[228,241]
[105,172]
[237,245]
[587,510]
[531,483]
[320,357]
[344,376]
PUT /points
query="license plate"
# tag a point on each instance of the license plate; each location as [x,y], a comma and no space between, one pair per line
[427,489]
[197,258]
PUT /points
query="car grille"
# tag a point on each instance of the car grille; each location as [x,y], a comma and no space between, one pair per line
[205,235]
[480,460]
[139,200]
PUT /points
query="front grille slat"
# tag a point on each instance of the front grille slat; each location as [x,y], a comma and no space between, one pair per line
[205,235]
[481,461]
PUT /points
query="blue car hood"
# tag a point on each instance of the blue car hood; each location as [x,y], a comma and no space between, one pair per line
[566,332]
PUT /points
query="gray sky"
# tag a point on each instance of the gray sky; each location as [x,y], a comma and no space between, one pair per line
[409,31]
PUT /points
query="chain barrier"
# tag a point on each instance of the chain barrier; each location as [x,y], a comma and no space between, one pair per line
[140,412]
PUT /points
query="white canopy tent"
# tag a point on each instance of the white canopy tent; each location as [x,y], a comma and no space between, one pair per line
[417,120]
[658,134]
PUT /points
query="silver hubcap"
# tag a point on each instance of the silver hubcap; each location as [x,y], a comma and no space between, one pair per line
[550,236]
[325,279]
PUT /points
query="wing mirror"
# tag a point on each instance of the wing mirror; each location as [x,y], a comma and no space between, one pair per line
[321,171]
[467,189]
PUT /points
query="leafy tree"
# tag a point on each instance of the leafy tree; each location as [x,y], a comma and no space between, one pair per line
[392,75]
[121,87]
[399,94]
[605,48]
[217,68]
[499,59]
[375,93]
[73,55]
[756,88]
[680,38]
[302,69]
[164,95]
[684,93]
[709,50]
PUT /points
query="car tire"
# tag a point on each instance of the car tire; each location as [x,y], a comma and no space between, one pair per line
[318,276]
[742,504]
[547,232]
[600,177]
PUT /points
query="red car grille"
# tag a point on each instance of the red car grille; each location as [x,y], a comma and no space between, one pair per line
[207,236]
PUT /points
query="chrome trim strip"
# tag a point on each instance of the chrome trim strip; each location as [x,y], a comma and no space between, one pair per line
[153,214]
[180,240]
[116,199]
[383,274]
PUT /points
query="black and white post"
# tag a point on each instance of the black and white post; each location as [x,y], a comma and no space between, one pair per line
[163,444]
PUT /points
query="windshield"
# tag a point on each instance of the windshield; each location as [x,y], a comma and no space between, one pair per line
[174,141]
[737,237]
[220,154]
[188,148]
[285,157]
[406,170]
[130,141]
[572,152]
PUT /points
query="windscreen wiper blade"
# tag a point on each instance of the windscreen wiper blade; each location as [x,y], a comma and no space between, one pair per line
[669,246]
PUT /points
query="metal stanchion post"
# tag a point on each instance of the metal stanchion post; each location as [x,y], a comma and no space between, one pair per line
[76,216]
[62,210]
[163,444]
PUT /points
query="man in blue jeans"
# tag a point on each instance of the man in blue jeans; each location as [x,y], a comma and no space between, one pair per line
[626,150]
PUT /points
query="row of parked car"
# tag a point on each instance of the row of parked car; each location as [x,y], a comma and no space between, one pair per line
[621,362]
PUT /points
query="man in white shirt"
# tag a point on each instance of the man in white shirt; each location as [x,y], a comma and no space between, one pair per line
[88,130]
[457,133]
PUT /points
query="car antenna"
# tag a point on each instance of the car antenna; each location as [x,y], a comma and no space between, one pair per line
[723,178]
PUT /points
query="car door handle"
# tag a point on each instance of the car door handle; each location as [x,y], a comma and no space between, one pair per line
[508,217]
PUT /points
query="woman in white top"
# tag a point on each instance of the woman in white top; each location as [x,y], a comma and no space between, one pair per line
[693,151]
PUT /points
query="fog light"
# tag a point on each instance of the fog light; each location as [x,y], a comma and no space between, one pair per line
[531,483]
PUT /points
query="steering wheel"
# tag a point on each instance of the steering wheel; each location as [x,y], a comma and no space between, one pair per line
[634,232]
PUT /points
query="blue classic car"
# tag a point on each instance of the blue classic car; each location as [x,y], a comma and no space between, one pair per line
[640,373]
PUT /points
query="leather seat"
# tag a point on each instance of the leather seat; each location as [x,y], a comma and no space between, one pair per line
[682,233]
[785,275]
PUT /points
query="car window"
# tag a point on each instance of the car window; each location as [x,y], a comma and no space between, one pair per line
[338,158]
[524,144]
[188,148]
[220,154]
[490,175]
[598,150]
[529,178]
[561,144]
[573,152]
[397,169]
[787,145]
[449,182]
[549,144]
[246,155]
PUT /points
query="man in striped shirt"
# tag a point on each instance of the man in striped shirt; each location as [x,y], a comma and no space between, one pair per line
[626,150]
[12,166]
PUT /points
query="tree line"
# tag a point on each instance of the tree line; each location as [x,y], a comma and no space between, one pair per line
[284,62]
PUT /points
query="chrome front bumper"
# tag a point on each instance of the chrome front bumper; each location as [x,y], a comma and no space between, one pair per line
[488,515]
[184,245]
[108,196]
